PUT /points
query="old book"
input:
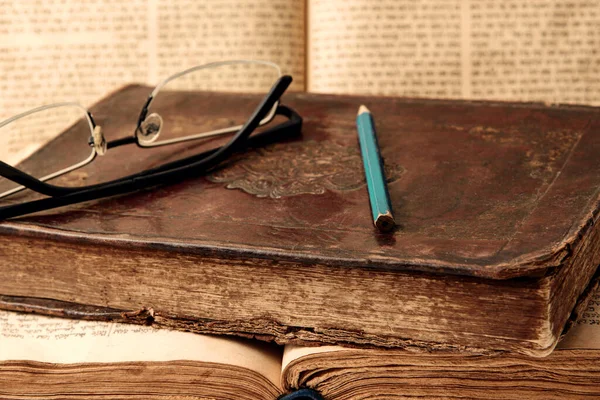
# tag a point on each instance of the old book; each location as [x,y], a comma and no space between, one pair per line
[42,357]
[497,239]
[518,51]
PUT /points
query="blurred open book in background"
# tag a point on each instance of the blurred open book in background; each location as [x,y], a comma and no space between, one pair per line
[517,50]
[511,50]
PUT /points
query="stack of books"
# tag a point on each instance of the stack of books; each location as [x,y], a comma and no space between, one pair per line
[494,260]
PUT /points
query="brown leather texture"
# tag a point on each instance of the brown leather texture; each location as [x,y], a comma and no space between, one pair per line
[496,190]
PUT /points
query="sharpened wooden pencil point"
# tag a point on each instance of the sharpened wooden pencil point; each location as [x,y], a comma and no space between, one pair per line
[379,199]
[385,223]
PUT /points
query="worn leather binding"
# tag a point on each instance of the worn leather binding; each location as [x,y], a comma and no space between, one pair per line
[496,205]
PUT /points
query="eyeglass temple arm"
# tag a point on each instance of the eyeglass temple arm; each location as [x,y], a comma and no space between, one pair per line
[30,182]
[178,170]
[47,189]
[286,130]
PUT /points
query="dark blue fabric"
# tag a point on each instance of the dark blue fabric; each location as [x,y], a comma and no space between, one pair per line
[303,394]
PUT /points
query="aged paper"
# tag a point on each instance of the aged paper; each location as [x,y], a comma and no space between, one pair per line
[64,341]
[191,32]
[542,50]
[387,47]
[294,352]
[586,334]
[56,51]
[65,50]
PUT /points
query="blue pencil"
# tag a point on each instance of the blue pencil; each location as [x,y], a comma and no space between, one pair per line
[376,184]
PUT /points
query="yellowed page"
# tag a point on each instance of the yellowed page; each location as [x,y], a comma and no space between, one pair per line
[293,352]
[535,50]
[55,340]
[542,50]
[586,334]
[194,32]
[390,47]
[54,51]
[66,50]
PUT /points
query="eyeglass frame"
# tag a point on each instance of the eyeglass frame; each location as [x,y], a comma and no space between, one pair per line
[170,172]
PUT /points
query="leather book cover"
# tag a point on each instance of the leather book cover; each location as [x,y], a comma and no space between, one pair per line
[496,206]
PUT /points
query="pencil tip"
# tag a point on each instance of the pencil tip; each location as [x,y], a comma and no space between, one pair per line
[385,222]
[363,109]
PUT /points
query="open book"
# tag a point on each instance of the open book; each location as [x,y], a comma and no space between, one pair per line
[44,357]
[515,50]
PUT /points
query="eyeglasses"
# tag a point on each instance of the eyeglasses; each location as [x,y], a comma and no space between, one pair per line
[157,125]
